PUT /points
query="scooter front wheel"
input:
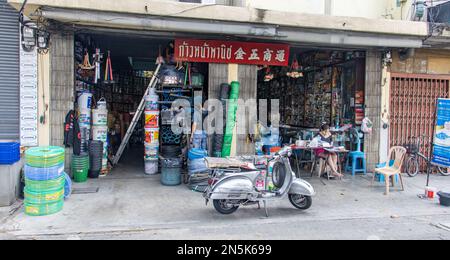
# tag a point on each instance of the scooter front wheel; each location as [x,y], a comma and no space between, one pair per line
[224,207]
[300,201]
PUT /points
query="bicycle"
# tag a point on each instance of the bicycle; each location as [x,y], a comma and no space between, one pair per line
[412,164]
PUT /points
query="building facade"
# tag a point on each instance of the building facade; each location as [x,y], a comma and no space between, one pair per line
[379,28]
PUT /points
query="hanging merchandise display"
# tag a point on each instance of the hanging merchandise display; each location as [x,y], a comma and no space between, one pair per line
[45,180]
[97,60]
[86,65]
[109,77]
[231,119]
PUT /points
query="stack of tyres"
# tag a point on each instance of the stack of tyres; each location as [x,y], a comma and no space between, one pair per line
[45,181]
[151,140]
[95,158]
[80,168]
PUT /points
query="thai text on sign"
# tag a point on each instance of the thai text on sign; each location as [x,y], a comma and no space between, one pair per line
[232,52]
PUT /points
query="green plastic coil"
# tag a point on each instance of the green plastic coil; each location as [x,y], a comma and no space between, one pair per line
[32,209]
[55,184]
[44,157]
[43,197]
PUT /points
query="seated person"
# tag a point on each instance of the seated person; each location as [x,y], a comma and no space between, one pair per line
[330,158]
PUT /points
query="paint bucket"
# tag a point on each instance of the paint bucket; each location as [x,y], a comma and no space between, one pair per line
[101,104]
[85,101]
[151,151]
[151,135]
[100,133]
[430,192]
[151,119]
[151,167]
[151,103]
[85,118]
[99,117]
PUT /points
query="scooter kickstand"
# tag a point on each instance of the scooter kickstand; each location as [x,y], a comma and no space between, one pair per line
[265,209]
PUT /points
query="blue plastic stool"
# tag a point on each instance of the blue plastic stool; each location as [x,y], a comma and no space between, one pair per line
[380,177]
[358,160]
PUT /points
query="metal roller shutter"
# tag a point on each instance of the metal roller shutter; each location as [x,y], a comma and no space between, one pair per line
[9,72]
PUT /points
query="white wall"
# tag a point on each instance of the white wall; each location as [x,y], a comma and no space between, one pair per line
[375,9]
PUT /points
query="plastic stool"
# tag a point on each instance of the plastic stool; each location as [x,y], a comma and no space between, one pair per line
[380,177]
[356,167]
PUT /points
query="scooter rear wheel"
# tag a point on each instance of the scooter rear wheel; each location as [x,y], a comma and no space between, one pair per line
[300,201]
[223,207]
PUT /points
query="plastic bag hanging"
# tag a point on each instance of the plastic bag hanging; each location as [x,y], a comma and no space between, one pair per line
[109,77]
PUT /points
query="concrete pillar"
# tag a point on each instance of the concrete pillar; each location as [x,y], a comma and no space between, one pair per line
[373,102]
[61,87]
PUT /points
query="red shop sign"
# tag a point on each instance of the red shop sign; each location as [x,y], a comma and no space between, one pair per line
[232,52]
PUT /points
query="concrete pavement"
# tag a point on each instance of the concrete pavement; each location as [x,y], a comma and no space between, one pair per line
[129,205]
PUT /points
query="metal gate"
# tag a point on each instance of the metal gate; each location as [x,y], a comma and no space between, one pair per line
[413,105]
[9,72]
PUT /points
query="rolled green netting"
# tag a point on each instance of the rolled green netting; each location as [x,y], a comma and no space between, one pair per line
[43,197]
[231,119]
[43,209]
[54,184]
[44,157]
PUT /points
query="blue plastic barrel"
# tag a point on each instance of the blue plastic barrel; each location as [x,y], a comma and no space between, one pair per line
[171,171]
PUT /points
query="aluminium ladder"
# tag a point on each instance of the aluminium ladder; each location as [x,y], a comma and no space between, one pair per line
[136,118]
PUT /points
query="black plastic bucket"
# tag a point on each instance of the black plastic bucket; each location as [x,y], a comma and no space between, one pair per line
[444,198]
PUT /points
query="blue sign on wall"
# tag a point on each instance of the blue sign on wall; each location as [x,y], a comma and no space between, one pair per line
[441,153]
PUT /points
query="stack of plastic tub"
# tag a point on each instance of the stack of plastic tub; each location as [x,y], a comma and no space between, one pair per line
[45,180]
[85,119]
[100,130]
[151,140]
[80,168]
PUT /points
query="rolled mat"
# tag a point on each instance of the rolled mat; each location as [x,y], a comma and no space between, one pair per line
[231,121]
[43,197]
[44,157]
[43,174]
[32,209]
[54,184]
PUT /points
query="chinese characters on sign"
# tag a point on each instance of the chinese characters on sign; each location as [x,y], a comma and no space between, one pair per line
[232,52]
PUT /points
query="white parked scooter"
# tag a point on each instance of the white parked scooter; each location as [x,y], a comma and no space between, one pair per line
[229,190]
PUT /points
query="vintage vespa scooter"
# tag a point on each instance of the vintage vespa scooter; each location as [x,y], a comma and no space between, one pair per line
[230,189]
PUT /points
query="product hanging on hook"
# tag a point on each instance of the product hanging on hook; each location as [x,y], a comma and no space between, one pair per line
[109,77]
[97,60]
[160,59]
[295,70]
[86,63]
[269,75]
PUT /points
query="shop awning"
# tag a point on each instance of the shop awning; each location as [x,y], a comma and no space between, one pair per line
[318,30]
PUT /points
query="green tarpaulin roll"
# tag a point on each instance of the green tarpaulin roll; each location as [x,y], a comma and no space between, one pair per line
[231,119]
